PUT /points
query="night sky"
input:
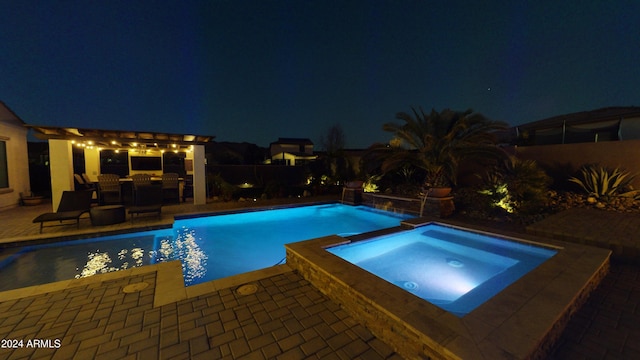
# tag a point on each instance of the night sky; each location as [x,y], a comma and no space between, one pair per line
[258,70]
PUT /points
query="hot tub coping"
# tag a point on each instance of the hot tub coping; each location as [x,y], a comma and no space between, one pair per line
[520,322]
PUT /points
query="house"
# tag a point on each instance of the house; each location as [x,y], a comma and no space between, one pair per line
[291,151]
[14,160]
[609,137]
[606,124]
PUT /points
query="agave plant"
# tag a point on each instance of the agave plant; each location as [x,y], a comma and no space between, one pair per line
[601,182]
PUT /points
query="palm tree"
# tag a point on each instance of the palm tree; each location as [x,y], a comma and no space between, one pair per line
[437,142]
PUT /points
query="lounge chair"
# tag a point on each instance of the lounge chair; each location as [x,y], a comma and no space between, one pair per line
[88,181]
[80,183]
[148,200]
[72,205]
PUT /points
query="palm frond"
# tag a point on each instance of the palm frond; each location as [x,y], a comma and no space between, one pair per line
[438,141]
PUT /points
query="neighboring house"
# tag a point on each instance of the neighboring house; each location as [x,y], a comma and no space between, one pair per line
[609,137]
[606,124]
[291,151]
[14,159]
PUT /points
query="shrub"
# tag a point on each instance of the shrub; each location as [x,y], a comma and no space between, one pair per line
[371,184]
[475,204]
[222,188]
[518,186]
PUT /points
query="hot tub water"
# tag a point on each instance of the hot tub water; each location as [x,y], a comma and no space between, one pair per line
[455,269]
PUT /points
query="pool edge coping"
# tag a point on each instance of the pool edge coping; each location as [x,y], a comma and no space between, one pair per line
[169,285]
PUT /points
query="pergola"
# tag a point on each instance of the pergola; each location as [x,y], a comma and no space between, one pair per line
[62,139]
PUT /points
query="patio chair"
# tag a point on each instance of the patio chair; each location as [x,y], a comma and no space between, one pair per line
[187,190]
[141,179]
[170,187]
[72,205]
[148,200]
[109,188]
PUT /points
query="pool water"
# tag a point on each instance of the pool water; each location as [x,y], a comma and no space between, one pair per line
[41,264]
[210,247]
[455,269]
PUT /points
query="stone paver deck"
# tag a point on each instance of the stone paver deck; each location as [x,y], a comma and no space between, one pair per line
[286,318]
[608,325]
[619,232]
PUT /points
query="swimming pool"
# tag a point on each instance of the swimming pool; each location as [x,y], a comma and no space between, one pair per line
[210,247]
[454,269]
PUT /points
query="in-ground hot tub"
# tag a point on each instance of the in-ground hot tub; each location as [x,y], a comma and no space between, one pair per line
[454,269]
[522,320]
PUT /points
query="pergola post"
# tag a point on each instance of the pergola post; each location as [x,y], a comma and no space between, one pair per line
[199,176]
[61,168]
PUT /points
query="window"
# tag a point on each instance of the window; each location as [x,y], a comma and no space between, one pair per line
[112,162]
[146,163]
[78,160]
[174,163]
[4,172]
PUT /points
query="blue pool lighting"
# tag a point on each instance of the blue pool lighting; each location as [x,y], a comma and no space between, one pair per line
[209,247]
[452,268]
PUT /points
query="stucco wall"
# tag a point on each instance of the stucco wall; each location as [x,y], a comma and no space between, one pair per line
[564,159]
[15,137]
